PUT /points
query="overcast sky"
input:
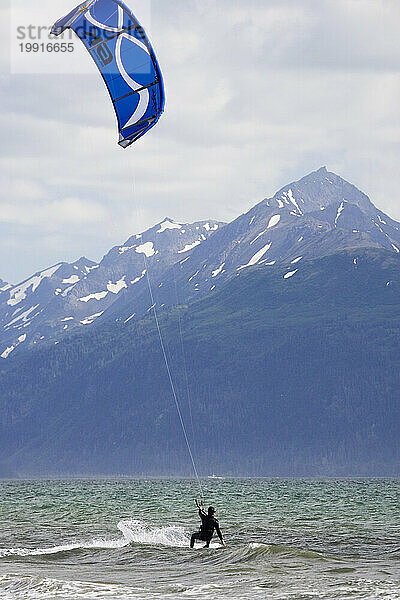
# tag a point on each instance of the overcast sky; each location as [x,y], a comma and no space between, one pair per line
[259,93]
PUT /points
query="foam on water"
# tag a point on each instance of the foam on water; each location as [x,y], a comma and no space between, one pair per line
[287,540]
[41,588]
[133,531]
[136,532]
[99,543]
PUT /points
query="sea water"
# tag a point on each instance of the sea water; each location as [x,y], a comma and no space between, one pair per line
[129,539]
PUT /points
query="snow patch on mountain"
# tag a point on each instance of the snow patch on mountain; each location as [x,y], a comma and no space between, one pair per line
[189,247]
[257,256]
[96,296]
[89,320]
[339,212]
[167,224]
[137,279]
[124,249]
[67,290]
[273,221]
[193,276]
[293,201]
[147,249]
[70,280]
[19,293]
[22,317]
[258,236]
[290,274]
[10,349]
[217,271]
[115,288]
[129,318]
[209,227]
[7,352]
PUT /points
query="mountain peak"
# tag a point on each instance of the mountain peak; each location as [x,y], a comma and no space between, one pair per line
[318,190]
[317,215]
[4,286]
[83,261]
[167,223]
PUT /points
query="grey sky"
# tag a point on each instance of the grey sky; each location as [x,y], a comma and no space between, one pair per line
[259,93]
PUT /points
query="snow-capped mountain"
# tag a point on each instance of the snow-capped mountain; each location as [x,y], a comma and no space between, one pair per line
[302,375]
[319,215]
[286,341]
[30,302]
[63,297]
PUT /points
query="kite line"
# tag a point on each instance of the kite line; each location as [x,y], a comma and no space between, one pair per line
[167,365]
[171,381]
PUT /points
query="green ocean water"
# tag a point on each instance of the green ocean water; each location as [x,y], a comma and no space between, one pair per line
[129,539]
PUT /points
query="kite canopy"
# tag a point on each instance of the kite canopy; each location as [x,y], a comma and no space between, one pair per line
[124,56]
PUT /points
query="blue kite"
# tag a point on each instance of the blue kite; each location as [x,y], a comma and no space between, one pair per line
[124,56]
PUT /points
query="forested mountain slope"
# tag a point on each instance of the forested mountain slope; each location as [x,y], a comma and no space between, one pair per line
[288,375]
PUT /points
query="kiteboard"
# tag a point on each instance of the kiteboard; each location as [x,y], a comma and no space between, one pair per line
[212,546]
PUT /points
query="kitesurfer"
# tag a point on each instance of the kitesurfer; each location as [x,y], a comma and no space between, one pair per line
[208,524]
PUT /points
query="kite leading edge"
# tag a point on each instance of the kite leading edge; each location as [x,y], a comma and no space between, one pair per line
[124,56]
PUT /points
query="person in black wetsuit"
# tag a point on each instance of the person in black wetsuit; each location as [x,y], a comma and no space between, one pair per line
[208,524]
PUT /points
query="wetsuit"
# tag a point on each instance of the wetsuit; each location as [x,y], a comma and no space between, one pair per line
[208,524]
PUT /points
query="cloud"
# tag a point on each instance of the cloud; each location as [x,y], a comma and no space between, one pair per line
[258,94]
[55,215]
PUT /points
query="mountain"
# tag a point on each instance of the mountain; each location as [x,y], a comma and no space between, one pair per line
[51,303]
[316,216]
[288,377]
[4,286]
[32,301]
[280,331]
[319,215]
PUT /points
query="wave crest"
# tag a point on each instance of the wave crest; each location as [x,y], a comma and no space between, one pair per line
[100,544]
[136,532]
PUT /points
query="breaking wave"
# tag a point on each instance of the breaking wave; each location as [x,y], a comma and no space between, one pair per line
[27,587]
[136,532]
[133,532]
[95,544]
